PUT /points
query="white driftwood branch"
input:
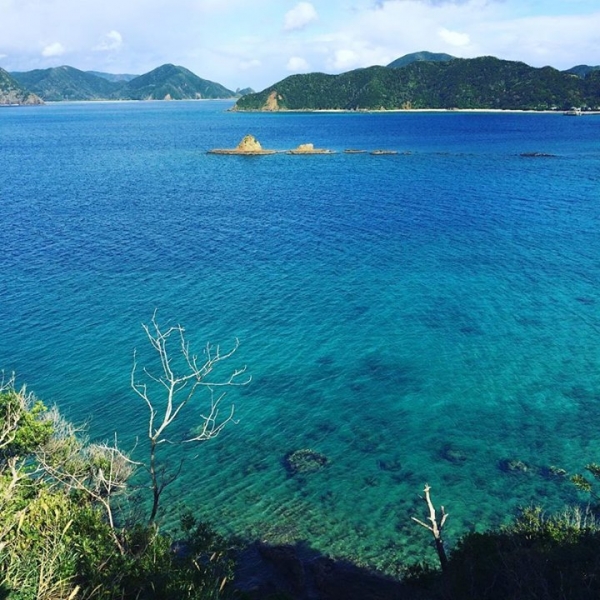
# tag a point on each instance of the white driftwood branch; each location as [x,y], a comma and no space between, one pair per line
[435,526]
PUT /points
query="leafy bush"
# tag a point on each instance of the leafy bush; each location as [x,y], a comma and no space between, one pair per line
[58,538]
[197,565]
[545,558]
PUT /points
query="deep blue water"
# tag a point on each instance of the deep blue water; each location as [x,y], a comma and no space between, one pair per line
[417,317]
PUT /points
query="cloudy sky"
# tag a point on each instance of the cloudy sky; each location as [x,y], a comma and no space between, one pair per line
[241,43]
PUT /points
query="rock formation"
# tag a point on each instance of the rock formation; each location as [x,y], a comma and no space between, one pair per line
[309,149]
[249,146]
[271,102]
[13,93]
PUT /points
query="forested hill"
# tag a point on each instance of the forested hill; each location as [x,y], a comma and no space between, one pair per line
[174,83]
[168,82]
[66,83]
[485,82]
[12,92]
[582,70]
[407,59]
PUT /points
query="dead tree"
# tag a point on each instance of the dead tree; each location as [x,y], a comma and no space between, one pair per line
[435,527]
[173,388]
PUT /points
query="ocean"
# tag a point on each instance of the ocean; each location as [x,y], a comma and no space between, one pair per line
[430,316]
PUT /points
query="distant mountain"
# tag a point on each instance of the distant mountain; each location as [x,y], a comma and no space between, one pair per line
[113,76]
[425,56]
[582,70]
[170,82]
[484,82]
[12,92]
[66,83]
[166,82]
[417,80]
[244,91]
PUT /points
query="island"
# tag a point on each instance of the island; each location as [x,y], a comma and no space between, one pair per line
[249,146]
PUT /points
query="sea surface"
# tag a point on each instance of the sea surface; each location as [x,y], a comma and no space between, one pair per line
[431,316]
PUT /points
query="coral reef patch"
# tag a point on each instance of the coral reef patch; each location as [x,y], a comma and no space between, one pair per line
[304,461]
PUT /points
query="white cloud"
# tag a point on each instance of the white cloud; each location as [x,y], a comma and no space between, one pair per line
[300,16]
[250,64]
[113,40]
[454,38]
[296,64]
[345,59]
[240,43]
[55,49]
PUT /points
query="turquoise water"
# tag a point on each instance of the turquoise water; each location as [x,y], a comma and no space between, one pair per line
[417,317]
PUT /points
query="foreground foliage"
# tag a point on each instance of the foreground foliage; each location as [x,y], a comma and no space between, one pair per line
[537,557]
[67,527]
[59,520]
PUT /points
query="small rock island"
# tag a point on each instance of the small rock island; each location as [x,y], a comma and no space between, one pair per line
[309,149]
[249,146]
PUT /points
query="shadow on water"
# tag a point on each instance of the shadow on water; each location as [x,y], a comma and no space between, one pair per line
[298,572]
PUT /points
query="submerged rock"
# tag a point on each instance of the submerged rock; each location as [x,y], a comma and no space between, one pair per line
[537,155]
[513,465]
[452,454]
[304,461]
[554,472]
[392,464]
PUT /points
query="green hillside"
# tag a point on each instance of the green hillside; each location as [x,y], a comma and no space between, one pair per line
[66,83]
[423,56]
[12,92]
[417,80]
[113,76]
[166,82]
[484,82]
[172,82]
[582,70]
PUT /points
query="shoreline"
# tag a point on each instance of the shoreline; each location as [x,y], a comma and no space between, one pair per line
[315,110]
[412,110]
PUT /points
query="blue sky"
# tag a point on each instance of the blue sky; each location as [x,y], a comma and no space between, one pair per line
[255,43]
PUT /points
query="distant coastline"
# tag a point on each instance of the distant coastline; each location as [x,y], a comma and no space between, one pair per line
[411,82]
[411,110]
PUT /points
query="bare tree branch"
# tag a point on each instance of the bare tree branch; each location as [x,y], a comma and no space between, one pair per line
[178,388]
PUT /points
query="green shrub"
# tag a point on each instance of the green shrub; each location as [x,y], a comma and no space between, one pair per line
[58,538]
[539,557]
[198,565]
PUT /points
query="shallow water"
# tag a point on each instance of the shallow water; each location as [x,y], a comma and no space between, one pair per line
[417,317]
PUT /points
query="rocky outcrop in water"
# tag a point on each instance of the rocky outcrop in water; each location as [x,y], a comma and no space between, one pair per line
[249,145]
[309,149]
